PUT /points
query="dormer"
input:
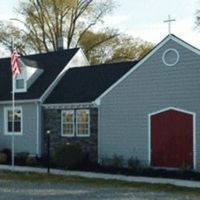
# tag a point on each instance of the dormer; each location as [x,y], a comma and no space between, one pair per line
[20,82]
[27,77]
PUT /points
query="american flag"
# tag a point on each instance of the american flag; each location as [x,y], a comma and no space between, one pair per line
[15,64]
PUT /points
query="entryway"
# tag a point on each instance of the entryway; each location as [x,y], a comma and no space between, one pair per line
[172,135]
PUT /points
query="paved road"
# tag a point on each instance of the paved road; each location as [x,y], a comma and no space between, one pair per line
[16,190]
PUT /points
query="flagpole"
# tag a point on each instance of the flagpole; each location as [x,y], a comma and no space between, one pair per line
[16,69]
[13,114]
[13,119]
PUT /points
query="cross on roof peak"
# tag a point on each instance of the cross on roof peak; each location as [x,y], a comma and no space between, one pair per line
[169,21]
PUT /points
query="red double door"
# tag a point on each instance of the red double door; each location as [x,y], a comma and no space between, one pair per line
[172,139]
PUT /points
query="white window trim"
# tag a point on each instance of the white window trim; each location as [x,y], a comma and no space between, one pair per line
[194,131]
[177,59]
[21,89]
[67,135]
[22,75]
[6,109]
[77,133]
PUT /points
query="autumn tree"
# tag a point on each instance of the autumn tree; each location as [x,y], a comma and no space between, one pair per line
[109,46]
[7,33]
[42,22]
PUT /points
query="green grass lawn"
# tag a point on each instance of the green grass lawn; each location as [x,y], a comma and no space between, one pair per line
[50,178]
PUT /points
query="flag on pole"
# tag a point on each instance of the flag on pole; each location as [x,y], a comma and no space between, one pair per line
[16,70]
[15,64]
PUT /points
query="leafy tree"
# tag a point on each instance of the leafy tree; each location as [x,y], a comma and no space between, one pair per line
[125,47]
[8,33]
[47,20]
[109,46]
[44,21]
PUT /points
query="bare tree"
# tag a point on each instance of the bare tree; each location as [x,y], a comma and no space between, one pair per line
[44,21]
[47,20]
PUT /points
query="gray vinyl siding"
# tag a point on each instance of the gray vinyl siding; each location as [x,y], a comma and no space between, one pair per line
[27,142]
[151,87]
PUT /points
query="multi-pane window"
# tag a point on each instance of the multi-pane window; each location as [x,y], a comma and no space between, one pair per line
[68,123]
[82,122]
[9,120]
[75,123]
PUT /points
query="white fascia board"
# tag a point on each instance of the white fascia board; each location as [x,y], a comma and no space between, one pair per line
[185,44]
[155,49]
[171,108]
[69,105]
[20,101]
[84,57]
[78,60]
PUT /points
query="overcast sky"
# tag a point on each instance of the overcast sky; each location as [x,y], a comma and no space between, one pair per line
[144,18]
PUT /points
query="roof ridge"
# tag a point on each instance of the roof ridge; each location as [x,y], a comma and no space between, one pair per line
[104,64]
[44,53]
[51,52]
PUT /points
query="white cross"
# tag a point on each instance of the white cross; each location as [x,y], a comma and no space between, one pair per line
[169,21]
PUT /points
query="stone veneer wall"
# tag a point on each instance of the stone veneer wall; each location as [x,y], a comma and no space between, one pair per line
[52,122]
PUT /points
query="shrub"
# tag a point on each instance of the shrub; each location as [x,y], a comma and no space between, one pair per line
[68,155]
[185,167]
[20,158]
[134,163]
[105,161]
[3,158]
[31,160]
[8,154]
[117,161]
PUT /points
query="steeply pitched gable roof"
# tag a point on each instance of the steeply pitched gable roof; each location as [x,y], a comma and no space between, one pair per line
[52,64]
[147,56]
[85,84]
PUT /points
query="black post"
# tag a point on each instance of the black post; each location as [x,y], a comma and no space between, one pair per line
[48,151]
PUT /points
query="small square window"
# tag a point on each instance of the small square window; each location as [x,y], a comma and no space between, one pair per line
[20,84]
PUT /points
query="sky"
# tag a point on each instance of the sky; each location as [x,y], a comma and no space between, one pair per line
[143,18]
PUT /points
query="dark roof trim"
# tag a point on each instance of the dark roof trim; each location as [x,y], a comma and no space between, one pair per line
[85,84]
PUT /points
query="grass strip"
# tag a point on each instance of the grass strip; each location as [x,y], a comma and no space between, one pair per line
[61,179]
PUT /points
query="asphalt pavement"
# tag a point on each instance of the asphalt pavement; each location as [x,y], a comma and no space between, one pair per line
[24,190]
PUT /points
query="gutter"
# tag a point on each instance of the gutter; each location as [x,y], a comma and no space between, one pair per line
[20,101]
[70,105]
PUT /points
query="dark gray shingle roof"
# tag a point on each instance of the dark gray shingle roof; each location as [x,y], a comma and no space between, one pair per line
[52,63]
[85,84]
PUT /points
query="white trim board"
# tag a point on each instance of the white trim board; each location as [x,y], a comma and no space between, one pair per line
[69,105]
[38,129]
[20,101]
[5,121]
[194,131]
[155,49]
